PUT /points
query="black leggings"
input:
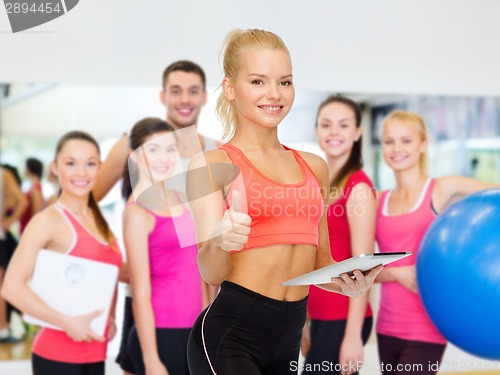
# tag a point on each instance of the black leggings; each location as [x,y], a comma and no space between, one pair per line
[246,333]
[43,366]
[123,358]
[7,248]
[326,338]
[171,345]
[398,356]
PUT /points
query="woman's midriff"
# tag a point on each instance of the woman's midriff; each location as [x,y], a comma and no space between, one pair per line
[262,270]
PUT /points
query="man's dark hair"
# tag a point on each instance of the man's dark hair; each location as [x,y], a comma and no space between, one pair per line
[184,66]
[35,166]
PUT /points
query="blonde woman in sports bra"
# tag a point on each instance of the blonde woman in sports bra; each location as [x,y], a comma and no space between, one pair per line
[267,227]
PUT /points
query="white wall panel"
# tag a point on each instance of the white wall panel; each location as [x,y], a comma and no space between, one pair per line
[383,46]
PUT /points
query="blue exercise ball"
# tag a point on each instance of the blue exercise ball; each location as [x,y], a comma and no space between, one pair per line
[458,273]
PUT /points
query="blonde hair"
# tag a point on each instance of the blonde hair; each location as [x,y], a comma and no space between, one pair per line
[412,119]
[234,44]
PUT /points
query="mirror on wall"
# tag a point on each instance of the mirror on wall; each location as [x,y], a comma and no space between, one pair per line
[464,134]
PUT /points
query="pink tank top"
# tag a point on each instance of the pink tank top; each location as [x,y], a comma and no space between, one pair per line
[57,345]
[24,220]
[401,312]
[324,305]
[176,294]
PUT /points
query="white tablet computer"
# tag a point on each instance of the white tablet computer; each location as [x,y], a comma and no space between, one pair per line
[74,286]
[363,262]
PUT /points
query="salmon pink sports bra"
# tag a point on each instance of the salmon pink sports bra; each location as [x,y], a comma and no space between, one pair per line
[281,213]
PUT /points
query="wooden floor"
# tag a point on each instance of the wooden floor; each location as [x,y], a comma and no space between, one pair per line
[16,351]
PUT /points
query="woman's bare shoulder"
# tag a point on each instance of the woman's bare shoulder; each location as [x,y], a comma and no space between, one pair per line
[316,163]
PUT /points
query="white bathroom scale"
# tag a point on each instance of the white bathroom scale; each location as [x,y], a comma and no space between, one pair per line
[363,262]
[74,286]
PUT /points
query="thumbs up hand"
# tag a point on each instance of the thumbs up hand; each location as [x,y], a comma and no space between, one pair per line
[233,229]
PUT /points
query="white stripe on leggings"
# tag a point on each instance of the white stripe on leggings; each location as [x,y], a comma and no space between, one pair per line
[203,339]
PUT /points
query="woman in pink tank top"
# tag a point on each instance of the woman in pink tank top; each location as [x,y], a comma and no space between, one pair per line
[407,339]
[339,325]
[161,250]
[76,226]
